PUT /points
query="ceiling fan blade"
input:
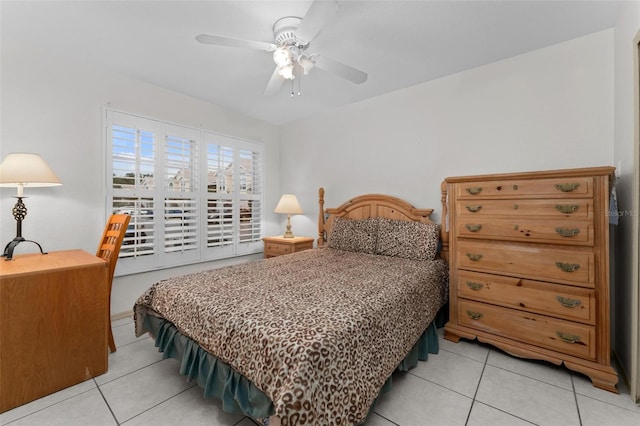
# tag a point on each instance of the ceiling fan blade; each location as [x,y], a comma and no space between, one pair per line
[234,42]
[318,15]
[340,69]
[275,83]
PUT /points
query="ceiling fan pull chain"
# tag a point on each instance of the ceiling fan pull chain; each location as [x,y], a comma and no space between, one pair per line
[300,84]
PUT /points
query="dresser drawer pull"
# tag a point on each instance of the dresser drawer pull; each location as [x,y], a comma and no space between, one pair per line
[568,232]
[567,187]
[568,267]
[474,257]
[567,337]
[474,190]
[567,208]
[474,315]
[473,227]
[474,286]
[473,209]
[568,303]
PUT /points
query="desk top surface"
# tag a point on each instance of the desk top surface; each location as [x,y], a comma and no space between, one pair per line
[36,262]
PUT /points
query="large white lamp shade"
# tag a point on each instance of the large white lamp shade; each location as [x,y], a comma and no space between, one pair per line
[24,169]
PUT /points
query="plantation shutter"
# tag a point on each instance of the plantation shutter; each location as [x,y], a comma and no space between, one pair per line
[250,187]
[192,195]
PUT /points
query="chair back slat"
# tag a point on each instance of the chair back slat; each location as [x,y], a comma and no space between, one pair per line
[111,241]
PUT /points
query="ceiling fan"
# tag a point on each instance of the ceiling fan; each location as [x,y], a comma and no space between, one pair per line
[292,37]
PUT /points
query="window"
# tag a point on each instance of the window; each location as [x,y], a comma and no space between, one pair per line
[193,195]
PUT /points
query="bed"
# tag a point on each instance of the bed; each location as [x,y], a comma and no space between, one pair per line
[310,338]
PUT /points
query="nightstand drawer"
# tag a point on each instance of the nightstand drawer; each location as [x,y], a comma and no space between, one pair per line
[278,246]
[274,249]
[551,333]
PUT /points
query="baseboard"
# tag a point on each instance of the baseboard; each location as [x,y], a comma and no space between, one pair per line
[121,315]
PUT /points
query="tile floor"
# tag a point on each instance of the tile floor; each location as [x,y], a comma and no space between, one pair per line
[465,384]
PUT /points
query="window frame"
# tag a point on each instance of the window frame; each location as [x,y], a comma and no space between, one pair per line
[192,245]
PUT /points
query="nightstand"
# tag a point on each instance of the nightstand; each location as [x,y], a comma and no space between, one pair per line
[277,246]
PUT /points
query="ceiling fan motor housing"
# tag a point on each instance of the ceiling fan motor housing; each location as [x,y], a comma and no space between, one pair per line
[284,32]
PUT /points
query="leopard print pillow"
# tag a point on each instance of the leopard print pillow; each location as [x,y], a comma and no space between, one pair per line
[354,235]
[407,239]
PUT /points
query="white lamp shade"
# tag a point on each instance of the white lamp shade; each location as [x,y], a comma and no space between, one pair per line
[288,204]
[21,169]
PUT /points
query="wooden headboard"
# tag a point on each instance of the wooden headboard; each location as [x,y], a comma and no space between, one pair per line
[378,205]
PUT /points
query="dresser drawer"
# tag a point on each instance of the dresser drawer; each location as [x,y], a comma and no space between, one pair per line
[527,229]
[575,209]
[533,261]
[556,188]
[556,300]
[551,333]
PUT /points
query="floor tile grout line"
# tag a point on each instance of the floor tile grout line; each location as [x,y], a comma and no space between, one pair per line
[386,418]
[575,398]
[473,400]
[506,412]
[438,384]
[131,372]
[107,402]
[459,354]
[138,339]
[156,405]
[529,377]
[571,374]
[50,405]
[595,398]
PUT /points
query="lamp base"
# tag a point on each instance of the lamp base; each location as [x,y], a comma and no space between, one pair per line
[288,233]
[19,213]
[8,249]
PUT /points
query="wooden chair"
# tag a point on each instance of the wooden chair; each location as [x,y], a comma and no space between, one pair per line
[108,249]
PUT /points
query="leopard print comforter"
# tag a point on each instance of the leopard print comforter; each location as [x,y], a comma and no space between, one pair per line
[318,331]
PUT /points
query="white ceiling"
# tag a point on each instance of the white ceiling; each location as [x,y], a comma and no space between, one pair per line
[398,43]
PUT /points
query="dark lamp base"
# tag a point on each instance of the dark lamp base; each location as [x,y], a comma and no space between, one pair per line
[8,249]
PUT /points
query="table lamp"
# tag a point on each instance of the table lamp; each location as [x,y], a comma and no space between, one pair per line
[19,170]
[288,204]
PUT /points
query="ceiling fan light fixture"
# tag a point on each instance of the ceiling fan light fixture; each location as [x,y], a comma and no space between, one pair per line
[282,57]
[306,63]
[287,72]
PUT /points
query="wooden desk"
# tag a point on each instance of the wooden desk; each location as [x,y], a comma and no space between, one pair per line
[53,323]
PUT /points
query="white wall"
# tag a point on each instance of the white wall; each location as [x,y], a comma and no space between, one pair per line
[626,29]
[547,109]
[54,107]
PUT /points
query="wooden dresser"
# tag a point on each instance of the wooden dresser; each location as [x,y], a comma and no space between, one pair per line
[54,313]
[529,266]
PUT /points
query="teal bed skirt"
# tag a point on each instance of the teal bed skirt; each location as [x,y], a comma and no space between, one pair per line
[237,393]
